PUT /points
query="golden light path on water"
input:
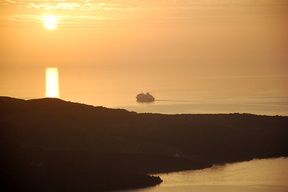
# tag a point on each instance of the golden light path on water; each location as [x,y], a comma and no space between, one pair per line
[52,83]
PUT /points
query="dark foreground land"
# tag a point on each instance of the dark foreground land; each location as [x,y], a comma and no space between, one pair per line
[54,145]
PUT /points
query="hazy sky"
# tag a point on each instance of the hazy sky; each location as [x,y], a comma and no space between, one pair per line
[176,49]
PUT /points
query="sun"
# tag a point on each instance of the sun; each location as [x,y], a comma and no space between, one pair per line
[50,22]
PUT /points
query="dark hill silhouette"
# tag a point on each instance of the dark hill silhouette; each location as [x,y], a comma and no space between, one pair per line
[67,146]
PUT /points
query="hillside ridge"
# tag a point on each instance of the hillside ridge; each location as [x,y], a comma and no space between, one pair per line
[48,138]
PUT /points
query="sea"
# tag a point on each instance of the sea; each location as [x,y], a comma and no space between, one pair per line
[251,105]
[184,95]
[257,175]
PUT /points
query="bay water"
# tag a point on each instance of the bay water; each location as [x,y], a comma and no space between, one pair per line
[257,175]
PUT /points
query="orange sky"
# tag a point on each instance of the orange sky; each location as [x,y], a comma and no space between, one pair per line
[176,49]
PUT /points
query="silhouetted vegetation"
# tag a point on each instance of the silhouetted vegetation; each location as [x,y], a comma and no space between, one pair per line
[54,145]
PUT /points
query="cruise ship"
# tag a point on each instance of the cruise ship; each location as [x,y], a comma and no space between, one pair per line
[145,97]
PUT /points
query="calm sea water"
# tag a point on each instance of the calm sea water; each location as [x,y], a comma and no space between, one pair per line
[258,175]
[254,105]
[186,107]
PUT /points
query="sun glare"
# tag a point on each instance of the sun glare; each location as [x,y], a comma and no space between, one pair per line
[52,84]
[50,22]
